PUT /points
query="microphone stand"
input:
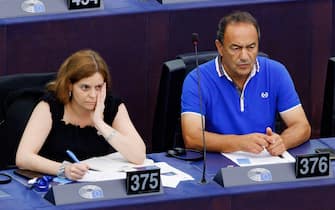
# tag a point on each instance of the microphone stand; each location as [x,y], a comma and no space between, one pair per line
[195,40]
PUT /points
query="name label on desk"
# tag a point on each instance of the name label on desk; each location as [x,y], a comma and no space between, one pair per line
[82,192]
[143,180]
[83,4]
[312,165]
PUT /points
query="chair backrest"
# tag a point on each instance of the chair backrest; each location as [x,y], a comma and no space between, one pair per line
[19,94]
[327,128]
[166,133]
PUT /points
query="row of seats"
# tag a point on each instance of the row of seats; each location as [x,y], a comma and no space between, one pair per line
[19,94]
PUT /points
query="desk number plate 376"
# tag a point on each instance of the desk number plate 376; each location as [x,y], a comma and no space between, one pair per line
[312,165]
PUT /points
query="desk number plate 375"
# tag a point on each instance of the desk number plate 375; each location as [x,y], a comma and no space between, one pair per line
[143,180]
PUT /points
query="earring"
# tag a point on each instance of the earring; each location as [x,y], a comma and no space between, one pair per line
[70,94]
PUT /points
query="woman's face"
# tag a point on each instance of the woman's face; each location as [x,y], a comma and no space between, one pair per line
[86,90]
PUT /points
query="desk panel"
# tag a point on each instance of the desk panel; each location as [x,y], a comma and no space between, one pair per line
[304,195]
[308,194]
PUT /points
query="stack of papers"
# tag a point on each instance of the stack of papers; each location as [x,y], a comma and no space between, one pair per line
[114,166]
[251,159]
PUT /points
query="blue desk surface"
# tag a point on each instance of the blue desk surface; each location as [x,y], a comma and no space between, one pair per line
[193,195]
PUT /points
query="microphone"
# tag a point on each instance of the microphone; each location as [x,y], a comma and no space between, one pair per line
[195,41]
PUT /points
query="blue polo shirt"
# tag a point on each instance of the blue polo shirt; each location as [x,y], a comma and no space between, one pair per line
[268,90]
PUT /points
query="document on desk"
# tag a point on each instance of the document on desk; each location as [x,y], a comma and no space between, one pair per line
[171,176]
[114,166]
[251,159]
[109,167]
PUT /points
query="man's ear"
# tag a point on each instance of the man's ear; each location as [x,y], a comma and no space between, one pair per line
[219,46]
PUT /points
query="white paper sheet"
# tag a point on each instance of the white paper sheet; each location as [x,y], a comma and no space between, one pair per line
[113,162]
[109,167]
[114,166]
[251,159]
[171,176]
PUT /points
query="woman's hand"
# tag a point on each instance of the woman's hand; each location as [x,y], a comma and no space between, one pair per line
[76,171]
[98,114]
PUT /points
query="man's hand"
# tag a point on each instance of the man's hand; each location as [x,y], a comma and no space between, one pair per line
[254,142]
[277,146]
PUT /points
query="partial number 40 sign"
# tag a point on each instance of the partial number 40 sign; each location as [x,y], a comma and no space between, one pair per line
[83,4]
[312,165]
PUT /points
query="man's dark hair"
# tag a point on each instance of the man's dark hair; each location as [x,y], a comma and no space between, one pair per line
[236,17]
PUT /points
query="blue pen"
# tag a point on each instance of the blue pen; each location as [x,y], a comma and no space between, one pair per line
[72,156]
[75,159]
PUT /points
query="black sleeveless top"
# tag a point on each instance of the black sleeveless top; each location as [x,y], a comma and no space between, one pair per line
[84,142]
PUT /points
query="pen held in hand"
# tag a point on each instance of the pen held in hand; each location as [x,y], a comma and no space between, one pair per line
[75,159]
[72,156]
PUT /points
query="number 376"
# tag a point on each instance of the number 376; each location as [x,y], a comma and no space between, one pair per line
[314,165]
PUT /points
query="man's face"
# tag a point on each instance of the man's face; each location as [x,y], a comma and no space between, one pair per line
[239,49]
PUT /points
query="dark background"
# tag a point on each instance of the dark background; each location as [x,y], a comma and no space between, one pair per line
[136,36]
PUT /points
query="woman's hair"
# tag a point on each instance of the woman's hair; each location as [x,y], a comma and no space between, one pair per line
[236,17]
[81,64]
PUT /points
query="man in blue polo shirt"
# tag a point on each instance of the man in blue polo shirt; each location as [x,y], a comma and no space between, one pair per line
[240,96]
